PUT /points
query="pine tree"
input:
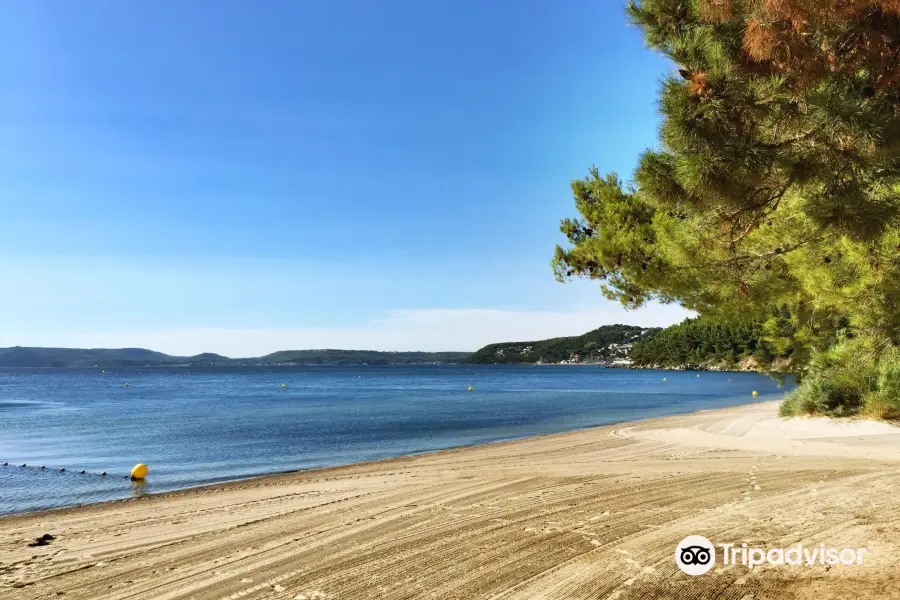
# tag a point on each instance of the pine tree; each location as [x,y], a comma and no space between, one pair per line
[776,192]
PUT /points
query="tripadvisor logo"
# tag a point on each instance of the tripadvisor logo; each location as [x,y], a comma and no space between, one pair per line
[695,555]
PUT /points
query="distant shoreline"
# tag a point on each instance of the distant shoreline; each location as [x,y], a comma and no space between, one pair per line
[23,357]
[611,346]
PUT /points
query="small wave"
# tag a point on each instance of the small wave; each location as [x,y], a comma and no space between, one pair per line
[10,404]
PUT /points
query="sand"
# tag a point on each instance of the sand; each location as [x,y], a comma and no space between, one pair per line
[589,514]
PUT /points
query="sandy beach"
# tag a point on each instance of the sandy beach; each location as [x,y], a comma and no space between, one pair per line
[589,514]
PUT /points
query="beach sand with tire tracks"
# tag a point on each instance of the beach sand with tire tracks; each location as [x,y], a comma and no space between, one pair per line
[594,513]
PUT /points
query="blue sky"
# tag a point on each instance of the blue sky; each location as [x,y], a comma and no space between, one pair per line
[244,177]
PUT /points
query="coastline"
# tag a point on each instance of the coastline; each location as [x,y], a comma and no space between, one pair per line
[543,401]
[238,481]
[590,512]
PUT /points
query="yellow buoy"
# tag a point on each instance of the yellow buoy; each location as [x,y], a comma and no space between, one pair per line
[755,393]
[471,388]
[283,385]
[139,471]
[698,374]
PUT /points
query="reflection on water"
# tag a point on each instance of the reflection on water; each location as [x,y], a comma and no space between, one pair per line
[140,488]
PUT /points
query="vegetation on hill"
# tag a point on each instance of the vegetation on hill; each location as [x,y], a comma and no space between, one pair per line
[606,343]
[139,357]
[705,343]
[774,192]
[70,357]
[356,357]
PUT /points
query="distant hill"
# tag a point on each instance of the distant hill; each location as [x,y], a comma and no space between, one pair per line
[209,357]
[356,357]
[69,357]
[691,343]
[139,357]
[607,344]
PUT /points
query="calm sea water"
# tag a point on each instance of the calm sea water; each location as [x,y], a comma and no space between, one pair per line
[198,427]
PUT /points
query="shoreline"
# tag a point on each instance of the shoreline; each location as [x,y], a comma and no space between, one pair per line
[591,512]
[290,472]
[211,487]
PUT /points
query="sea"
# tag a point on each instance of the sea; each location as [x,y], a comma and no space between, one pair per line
[195,427]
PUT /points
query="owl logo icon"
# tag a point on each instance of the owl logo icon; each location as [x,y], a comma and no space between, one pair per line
[695,555]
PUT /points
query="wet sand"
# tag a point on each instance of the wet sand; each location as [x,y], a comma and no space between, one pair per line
[588,514]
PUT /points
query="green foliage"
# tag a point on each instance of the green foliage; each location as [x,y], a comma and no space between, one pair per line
[774,193]
[592,346]
[838,382]
[885,401]
[704,342]
[855,376]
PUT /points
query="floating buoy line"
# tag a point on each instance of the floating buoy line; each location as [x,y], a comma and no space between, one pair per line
[138,473]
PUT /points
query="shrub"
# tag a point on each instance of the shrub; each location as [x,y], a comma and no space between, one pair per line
[842,380]
[884,402]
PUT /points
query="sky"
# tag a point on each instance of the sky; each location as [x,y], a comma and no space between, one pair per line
[241,178]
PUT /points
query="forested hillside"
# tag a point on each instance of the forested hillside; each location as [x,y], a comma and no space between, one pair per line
[607,343]
[698,342]
[19,357]
[73,357]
